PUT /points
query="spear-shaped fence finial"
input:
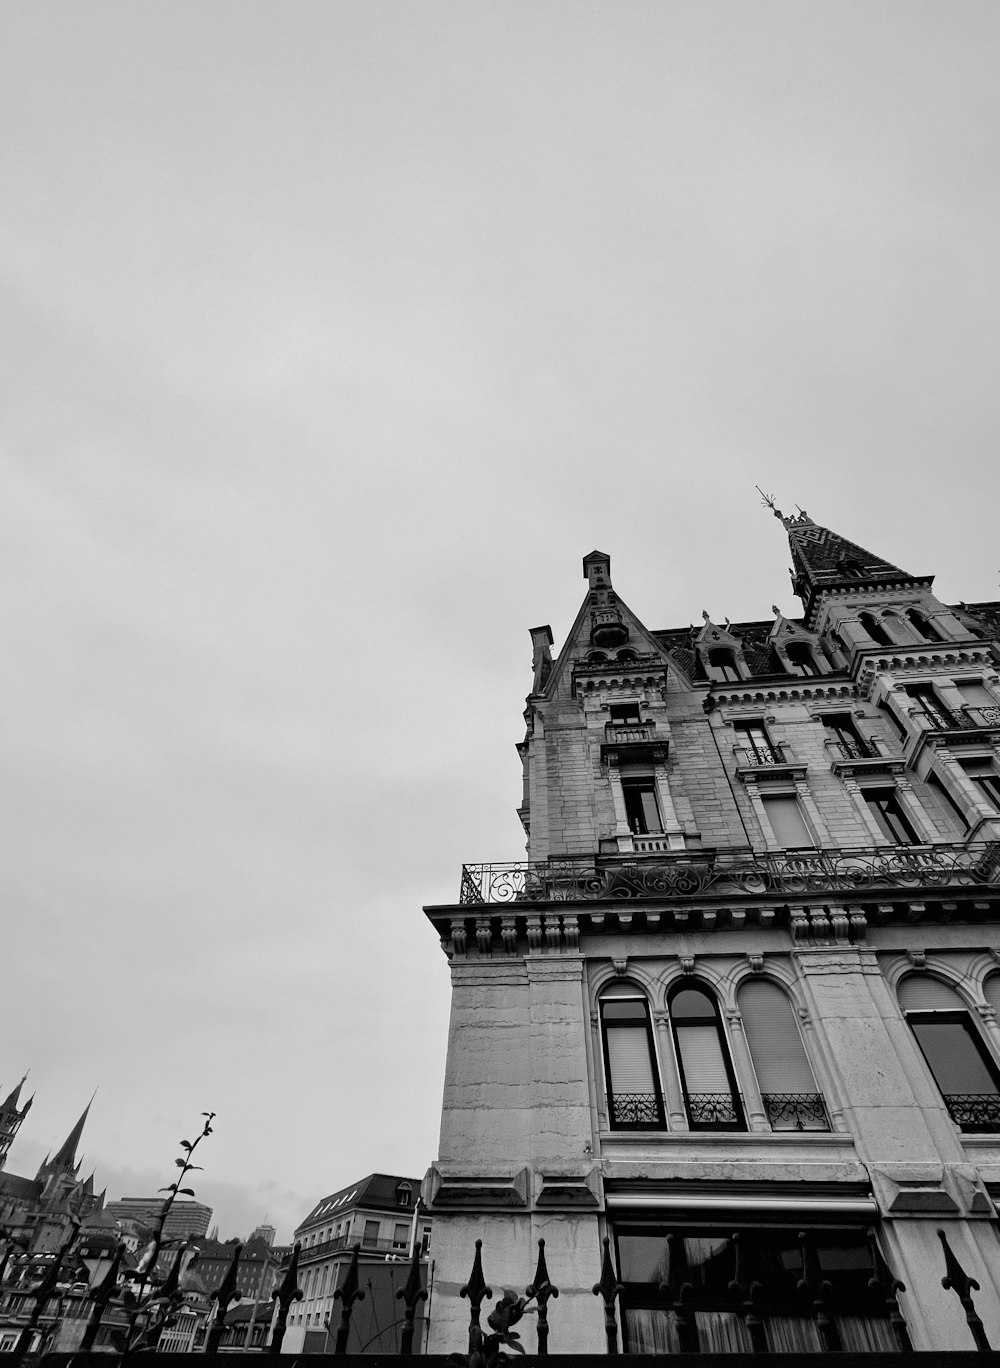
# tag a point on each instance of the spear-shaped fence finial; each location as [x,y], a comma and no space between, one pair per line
[958,1281]
[288,1292]
[226,1293]
[541,1289]
[347,1294]
[746,1289]
[813,1285]
[884,1283]
[609,1288]
[411,1294]
[476,1290]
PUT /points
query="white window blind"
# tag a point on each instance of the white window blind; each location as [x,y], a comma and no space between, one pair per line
[628,1060]
[786,820]
[975,693]
[779,1057]
[991,990]
[921,993]
[702,1059]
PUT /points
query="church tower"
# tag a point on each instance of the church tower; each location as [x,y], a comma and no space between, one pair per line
[11,1116]
[736,1011]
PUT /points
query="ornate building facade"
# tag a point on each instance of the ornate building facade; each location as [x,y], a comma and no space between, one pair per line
[736,1012]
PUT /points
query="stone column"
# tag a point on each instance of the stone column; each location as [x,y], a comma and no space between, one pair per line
[673,1098]
[812,812]
[671,826]
[746,1076]
[914,810]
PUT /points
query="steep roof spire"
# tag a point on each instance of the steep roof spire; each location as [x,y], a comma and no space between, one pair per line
[823,560]
[13,1099]
[65,1160]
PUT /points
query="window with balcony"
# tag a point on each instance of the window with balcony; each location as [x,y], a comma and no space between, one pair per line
[887,812]
[791,1099]
[955,1052]
[930,707]
[845,742]
[786,821]
[642,811]
[624,714]
[752,739]
[981,708]
[705,1260]
[985,778]
[711,1097]
[949,811]
[635,1099]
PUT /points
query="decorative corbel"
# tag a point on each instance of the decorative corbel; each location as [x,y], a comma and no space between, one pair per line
[621,967]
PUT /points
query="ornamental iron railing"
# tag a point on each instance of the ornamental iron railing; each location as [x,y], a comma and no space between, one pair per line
[761,753]
[963,719]
[974,1112]
[854,870]
[636,1109]
[856,749]
[709,1111]
[796,1111]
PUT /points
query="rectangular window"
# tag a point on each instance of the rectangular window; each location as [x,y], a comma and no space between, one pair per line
[624,714]
[400,1235]
[753,740]
[425,1239]
[641,808]
[950,811]
[884,806]
[702,1258]
[371,1232]
[786,821]
[986,780]
[841,731]
[930,706]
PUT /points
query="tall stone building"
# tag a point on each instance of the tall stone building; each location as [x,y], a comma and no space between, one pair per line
[737,1010]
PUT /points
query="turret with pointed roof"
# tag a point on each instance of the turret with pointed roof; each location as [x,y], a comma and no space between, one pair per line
[64,1162]
[824,562]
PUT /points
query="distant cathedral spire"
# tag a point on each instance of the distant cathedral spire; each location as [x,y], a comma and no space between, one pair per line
[11,1116]
[64,1160]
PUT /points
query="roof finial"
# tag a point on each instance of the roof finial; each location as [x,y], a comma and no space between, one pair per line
[768,502]
[775,610]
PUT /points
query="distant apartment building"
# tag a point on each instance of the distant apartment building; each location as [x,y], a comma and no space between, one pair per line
[381,1215]
[184,1219]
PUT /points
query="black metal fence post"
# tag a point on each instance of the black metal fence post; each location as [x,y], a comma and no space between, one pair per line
[883,1282]
[676,1292]
[476,1290]
[609,1288]
[288,1292]
[411,1294]
[959,1282]
[746,1289]
[813,1285]
[226,1293]
[100,1295]
[541,1289]
[347,1295]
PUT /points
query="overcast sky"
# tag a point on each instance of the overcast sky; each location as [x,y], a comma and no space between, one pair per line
[335,334]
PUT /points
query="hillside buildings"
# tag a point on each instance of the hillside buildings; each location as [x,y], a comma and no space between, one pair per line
[185,1218]
[736,1012]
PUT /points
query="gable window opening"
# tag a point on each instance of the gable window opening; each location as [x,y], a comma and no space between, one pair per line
[711,1097]
[702,1258]
[874,629]
[800,658]
[962,1066]
[922,625]
[635,1099]
[723,661]
[886,810]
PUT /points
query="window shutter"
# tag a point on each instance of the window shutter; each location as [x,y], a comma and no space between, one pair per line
[628,1059]
[702,1059]
[991,990]
[779,1057]
[787,821]
[921,993]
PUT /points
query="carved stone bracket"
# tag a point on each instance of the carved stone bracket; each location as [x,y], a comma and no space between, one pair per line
[756,963]
[918,958]
[687,964]
[458,938]
[621,967]
[484,935]
[508,935]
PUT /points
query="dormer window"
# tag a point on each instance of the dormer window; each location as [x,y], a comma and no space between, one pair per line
[404,1195]
[723,663]
[800,658]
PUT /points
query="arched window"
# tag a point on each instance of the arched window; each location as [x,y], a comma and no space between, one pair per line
[710,1093]
[791,1099]
[633,1083]
[800,658]
[596,658]
[874,629]
[956,1053]
[921,625]
[723,663]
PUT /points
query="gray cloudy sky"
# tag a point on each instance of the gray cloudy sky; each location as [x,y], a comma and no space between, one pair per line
[334,335]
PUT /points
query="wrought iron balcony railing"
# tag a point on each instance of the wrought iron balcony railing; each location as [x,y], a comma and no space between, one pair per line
[856,749]
[963,719]
[796,1111]
[855,870]
[636,1109]
[751,757]
[713,1111]
[974,1112]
